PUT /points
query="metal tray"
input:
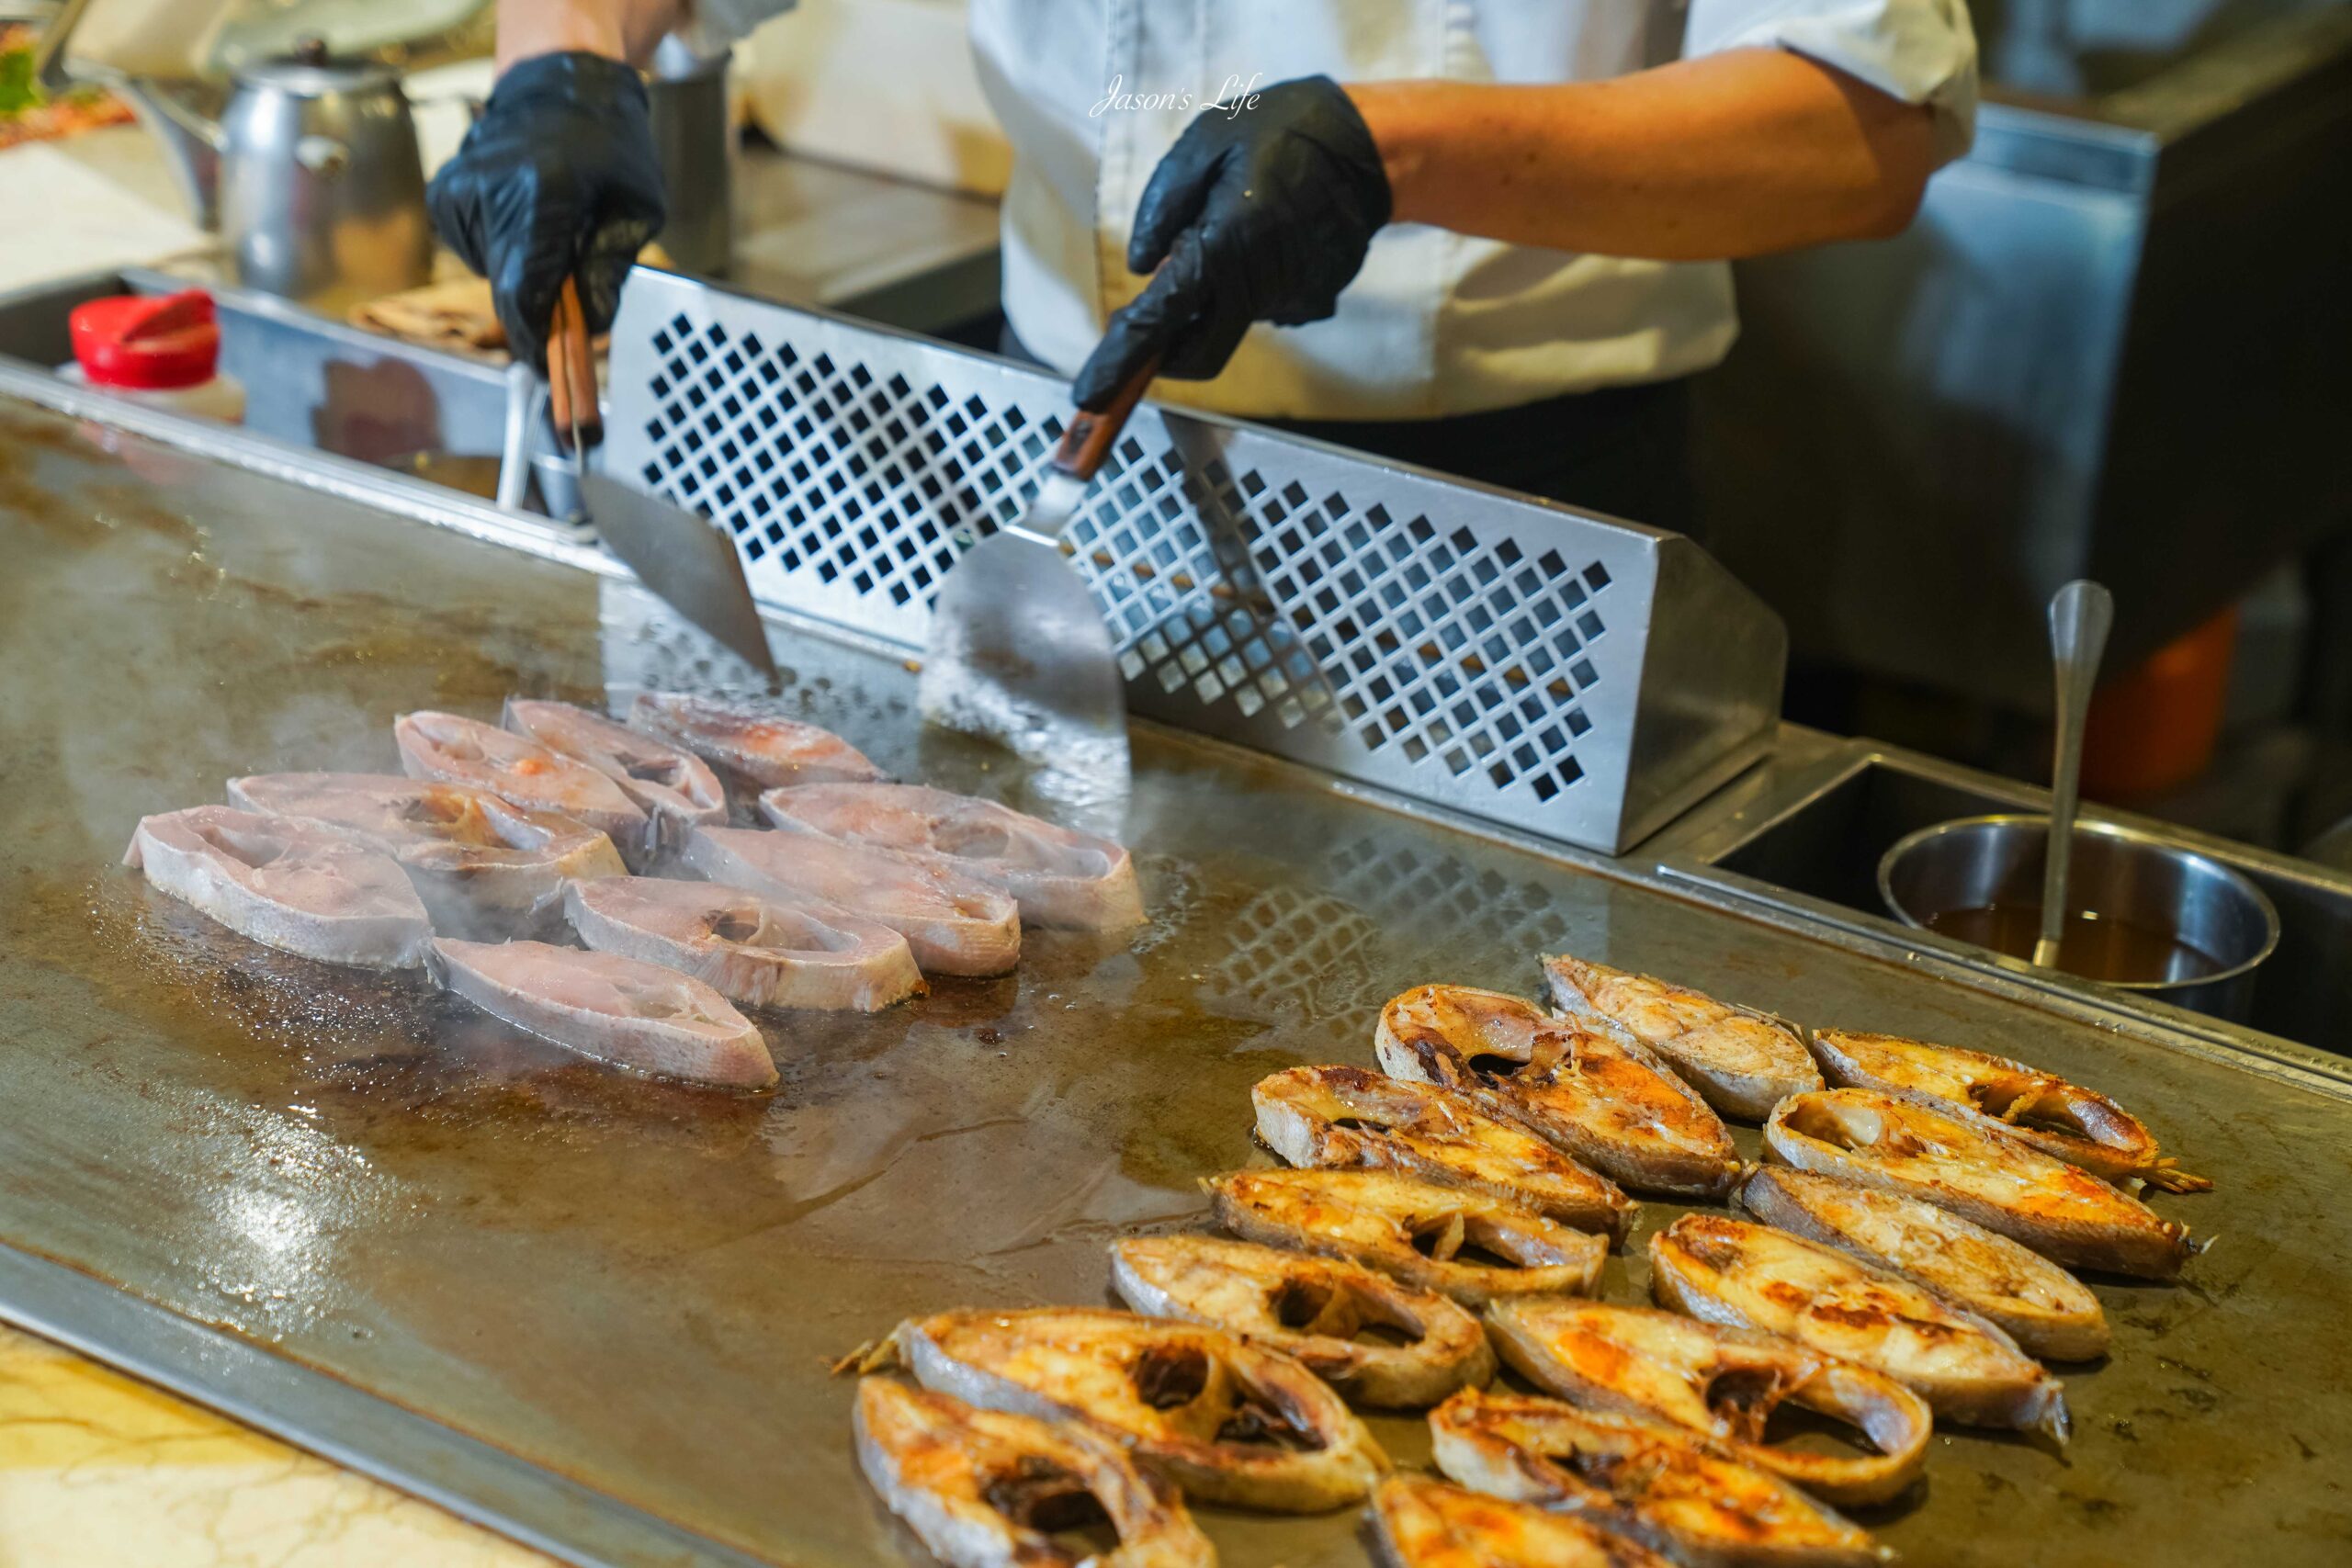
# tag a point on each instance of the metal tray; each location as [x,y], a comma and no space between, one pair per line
[594,1312]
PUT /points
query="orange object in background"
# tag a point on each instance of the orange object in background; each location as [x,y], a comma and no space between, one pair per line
[2153,727]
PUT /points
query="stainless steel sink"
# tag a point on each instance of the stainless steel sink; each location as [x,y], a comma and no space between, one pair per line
[1808,839]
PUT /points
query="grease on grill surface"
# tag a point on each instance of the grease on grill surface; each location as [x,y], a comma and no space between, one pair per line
[532,1249]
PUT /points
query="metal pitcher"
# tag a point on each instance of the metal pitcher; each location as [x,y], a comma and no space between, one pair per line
[311,172]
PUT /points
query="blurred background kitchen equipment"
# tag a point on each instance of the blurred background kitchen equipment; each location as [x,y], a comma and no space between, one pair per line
[2080,616]
[694,133]
[312,170]
[2144,915]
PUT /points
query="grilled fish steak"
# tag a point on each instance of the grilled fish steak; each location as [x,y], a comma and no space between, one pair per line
[983,1488]
[760,748]
[1345,1118]
[1730,1272]
[1411,1230]
[1722,1383]
[748,948]
[1434,1523]
[2046,1310]
[1312,1309]
[1226,1420]
[1592,1089]
[2080,1126]
[1059,877]
[447,748]
[286,884]
[1741,1062]
[614,1009]
[483,867]
[1978,1172]
[954,925]
[1665,1487]
[667,782]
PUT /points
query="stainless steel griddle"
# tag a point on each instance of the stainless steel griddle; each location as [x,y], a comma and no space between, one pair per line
[595,1311]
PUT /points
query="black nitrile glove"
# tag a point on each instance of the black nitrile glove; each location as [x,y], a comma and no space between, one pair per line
[557,179]
[1259,214]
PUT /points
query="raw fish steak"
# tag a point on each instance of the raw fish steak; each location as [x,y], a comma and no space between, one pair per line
[1059,877]
[748,948]
[662,779]
[286,884]
[450,750]
[954,925]
[767,749]
[484,868]
[616,1009]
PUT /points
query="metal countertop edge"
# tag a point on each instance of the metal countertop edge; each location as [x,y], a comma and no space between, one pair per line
[339,1422]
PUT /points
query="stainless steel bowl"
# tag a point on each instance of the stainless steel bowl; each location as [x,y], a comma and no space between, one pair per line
[2120,874]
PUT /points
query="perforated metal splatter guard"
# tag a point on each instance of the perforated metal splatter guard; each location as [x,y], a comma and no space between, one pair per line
[1569,675]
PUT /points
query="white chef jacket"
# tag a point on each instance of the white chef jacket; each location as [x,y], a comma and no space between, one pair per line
[1091,92]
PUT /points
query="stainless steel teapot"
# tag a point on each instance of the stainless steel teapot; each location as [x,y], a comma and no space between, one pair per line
[321,186]
[311,172]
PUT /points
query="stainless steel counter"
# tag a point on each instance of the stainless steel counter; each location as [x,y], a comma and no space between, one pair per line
[594,1310]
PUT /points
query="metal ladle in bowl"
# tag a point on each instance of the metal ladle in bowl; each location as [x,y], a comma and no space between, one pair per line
[2081,614]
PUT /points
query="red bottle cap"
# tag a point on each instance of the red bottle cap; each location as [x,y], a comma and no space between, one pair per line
[137,341]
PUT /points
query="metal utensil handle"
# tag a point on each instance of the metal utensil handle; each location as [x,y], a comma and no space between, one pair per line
[514,453]
[1086,442]
[2080,617]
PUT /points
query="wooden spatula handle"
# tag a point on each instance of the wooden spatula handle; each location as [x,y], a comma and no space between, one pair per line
[1088,440]
[571,371]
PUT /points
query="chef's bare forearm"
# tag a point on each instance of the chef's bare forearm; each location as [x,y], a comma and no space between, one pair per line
[1732,155]
[617,30]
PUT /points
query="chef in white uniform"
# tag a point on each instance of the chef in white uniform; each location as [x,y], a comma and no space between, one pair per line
[1487,235]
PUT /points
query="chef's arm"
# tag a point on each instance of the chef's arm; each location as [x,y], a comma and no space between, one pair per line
[617,30]
[1725,155]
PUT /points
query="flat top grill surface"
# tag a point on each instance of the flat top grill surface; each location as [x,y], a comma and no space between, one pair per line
[637,1286]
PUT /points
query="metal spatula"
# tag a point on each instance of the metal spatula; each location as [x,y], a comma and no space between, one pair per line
[1019,651]
[678,555]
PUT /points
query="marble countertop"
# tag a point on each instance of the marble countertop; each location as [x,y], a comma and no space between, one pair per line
[99,1470]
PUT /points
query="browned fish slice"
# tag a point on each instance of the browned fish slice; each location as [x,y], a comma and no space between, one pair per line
[449,748]
[1449,1239]
[1340,1118]
[2078,1125]
[1592,1089]
[1315,1309]
[1741,1062]
[1662,1485]
[665,780]
[765,951]
[1058,876]
[1979,1173]
[2046,1310]
[1226,1420]
[1731,1271]
[1432,1524]
[286,884]
[954,925]
[1722,1383]
[763,749]
[986,1489]
[484,868]
[614,1009]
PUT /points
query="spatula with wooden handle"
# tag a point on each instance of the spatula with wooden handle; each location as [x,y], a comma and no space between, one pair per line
[1019,651]
[686,562]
